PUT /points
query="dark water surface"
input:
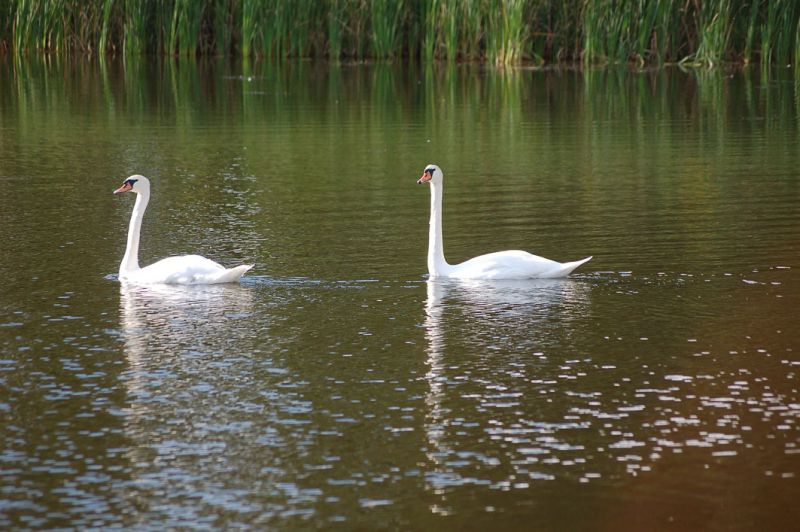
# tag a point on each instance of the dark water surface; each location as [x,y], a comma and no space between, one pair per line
[657,387]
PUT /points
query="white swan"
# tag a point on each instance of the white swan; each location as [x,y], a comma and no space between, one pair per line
[185,269]
[513,264]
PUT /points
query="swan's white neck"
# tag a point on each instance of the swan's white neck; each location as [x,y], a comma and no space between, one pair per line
[130,261]
[437,265]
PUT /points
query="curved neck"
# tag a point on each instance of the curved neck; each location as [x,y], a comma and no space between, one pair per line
[436,262]
[130,261]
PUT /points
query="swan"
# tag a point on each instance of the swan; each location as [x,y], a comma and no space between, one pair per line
[184,269]
[512,264]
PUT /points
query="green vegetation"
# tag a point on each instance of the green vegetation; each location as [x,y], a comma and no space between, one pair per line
[693,32]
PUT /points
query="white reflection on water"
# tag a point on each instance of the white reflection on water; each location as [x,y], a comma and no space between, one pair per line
[485,304]
[186,370]
[180,315]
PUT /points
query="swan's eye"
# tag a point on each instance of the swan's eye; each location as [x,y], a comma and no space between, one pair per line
[429,171]
[130,182]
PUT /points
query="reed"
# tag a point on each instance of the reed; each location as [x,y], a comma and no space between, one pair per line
[386,16]
[107,7]
[5,24]
[335,26]
[751,31]
[693,32]
[779,31]
[356,35]
[505,32]
[225,22]
[184,28]
[797,47]
[714,30]
[292,26]
[248,26]
[448,26]
[135,22]
[430,35]
[655,27]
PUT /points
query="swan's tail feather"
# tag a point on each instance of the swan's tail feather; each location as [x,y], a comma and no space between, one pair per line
[568,267]
[233,274]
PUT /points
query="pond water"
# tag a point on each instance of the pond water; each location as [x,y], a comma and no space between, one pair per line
[656,387]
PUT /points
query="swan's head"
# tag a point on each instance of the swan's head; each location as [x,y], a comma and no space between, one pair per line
[431,174]
[135,183]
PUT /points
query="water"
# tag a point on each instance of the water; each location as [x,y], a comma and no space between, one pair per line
[657,387]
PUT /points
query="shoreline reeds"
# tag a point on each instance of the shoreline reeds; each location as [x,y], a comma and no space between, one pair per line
[502,32]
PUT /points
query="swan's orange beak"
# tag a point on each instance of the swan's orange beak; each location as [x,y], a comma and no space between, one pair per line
[426,176]
[124,188]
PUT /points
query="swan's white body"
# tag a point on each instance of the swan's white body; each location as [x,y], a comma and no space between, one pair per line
[184,269]
[513,264]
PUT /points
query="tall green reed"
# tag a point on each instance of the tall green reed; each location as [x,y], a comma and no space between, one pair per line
[335,25]
[750,31]
[249,26]
[135,27]
[448,26]
[386,17]
[797,46]
[471,30]
[185,28]
[779,31]
[102,45]
[715,26]
[430,22]
[225,22]
[694,32]
[506,27]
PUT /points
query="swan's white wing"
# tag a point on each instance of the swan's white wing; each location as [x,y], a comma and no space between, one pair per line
[187,269]
[513,264]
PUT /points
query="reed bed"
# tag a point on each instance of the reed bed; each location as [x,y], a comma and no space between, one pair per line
[591,32]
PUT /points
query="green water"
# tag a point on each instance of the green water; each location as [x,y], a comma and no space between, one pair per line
[337,386]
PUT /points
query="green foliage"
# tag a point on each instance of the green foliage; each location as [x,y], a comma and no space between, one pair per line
[505,32]
[185,27]
[135,26]
[714,32]
[386,16]
[335,27]
[692,32]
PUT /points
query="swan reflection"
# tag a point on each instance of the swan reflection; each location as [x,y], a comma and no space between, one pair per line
[159,322]
[528,297]
[188,358]
[491,317]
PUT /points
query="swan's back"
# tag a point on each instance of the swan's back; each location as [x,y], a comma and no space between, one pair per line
[188,269]
[512,264]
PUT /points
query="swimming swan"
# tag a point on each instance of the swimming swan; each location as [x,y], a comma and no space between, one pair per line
[184,269]
[513,264]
